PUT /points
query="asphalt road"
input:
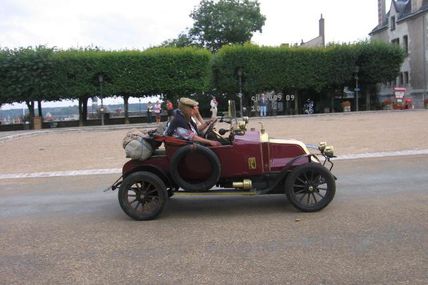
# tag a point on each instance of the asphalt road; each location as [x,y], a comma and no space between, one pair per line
[65,230]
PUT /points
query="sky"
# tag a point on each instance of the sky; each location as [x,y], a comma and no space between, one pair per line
[140,24]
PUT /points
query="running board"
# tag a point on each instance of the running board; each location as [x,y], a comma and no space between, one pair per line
[215,192]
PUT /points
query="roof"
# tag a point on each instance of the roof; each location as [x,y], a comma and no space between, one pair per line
[404,12]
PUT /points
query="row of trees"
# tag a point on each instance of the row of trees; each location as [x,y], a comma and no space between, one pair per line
[44,74]
[323,71]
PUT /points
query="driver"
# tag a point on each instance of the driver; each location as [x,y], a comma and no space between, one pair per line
[183,127]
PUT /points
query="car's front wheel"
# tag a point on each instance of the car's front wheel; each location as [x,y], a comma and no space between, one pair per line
[142,195]
[310,187]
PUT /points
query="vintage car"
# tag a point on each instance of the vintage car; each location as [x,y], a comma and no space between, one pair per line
[247,161]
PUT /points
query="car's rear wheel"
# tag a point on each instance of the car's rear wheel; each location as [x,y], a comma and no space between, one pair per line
[310,187]
[142,195]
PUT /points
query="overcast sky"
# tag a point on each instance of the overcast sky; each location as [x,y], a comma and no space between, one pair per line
[140,24]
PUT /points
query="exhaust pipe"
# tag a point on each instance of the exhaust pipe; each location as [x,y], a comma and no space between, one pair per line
[245,184]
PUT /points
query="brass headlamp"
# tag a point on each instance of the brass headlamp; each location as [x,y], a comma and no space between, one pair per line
[327,150]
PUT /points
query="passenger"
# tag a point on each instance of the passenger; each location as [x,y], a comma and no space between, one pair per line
[182,126]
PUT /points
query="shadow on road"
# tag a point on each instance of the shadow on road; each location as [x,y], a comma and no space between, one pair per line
[222,206]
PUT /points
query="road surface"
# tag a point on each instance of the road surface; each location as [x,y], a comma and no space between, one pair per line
[65,230]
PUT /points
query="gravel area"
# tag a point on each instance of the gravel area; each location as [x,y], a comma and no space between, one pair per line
[101,147]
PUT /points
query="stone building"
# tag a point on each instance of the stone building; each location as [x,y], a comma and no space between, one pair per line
[406,24]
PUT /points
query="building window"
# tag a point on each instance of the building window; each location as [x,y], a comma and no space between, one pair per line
[392,23]
[406,78]
[401,81]
[406,44]
[396,41]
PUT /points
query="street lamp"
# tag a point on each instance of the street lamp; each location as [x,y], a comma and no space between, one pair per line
[100,80]
[357,89]
[240,90]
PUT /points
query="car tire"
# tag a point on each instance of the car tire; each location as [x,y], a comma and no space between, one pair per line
[310,187]
[205,185]
[142,195]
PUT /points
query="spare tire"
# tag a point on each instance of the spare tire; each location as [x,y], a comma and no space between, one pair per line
[196,185]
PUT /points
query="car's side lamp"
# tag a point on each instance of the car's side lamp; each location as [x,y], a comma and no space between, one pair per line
[322,146]
[242,125]
[262,128]
[264,137]
[329,151]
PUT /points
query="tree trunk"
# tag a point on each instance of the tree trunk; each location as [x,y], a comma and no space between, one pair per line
[368,101]
[126,108]
[83,111]
[30,105]
[296,103]
[80,112]
[39,108]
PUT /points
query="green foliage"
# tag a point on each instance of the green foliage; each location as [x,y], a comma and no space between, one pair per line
[77,72]
[283,68]
[29,74]
[183,40]
[43,74]
[222,22]
[26,74]
[169,71]
[378,61]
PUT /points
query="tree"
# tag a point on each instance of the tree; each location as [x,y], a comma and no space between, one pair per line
[183,40]
[225,22]
[26,76]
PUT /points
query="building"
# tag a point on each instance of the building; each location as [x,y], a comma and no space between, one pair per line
[319,41]
[406,24]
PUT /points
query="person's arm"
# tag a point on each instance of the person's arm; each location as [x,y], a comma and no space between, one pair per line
[191,136]
[205,141]
[204,125]
[198,118]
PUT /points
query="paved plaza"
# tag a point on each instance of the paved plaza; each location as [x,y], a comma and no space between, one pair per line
[100,148]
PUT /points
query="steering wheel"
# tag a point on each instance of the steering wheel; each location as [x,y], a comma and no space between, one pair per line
[210,128]
[212,134]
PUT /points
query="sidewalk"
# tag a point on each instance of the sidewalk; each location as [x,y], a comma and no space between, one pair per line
[101,147]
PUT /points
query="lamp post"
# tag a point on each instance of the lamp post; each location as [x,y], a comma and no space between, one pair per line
[100,80]
[357,89]
[240,91]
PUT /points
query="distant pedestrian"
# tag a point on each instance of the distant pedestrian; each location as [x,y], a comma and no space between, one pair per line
[214,105]
[149,112]
[263,105]
[169,109]
[157,110]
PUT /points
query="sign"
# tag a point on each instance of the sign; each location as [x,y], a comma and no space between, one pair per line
[347,94]
[399,92]
[252,163]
